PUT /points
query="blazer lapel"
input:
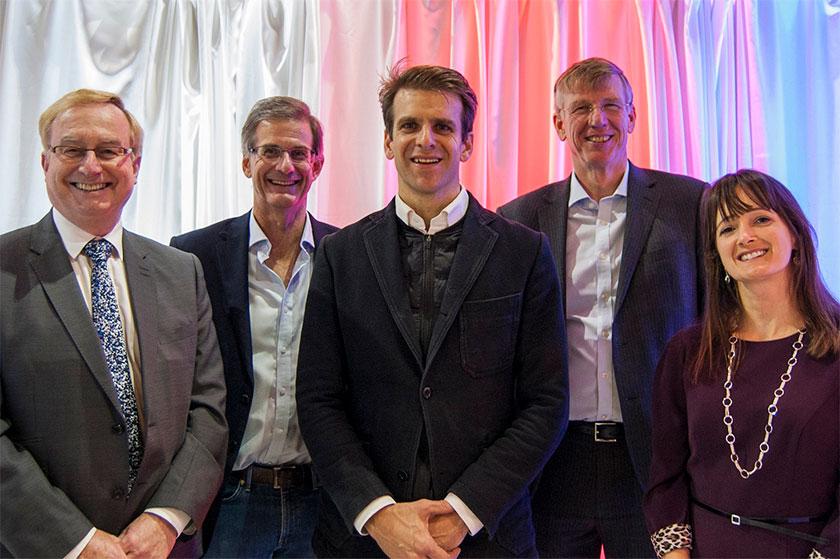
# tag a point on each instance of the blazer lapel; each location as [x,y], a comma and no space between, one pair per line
[232,255]
[474,248]
[642,201]
[144,306]
[383,250]
[552,215]
[51,263]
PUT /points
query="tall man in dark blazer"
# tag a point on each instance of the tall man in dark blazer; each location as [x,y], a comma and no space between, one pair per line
[627,247]
[112,431]
[432,387]
[258,268]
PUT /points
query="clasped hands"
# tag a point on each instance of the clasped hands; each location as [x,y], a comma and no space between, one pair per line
[148,535]
[418,529]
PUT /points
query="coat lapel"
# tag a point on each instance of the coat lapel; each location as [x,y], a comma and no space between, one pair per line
[383,250]
[51,263]
[552,215]
[642,201]
[474,248]
[142,291]
[232,263]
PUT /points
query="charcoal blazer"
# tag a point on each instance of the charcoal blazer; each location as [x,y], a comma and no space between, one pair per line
[490,394]
[660,283]
[63,443]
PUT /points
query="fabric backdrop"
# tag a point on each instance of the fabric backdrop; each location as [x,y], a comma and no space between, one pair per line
[719,85]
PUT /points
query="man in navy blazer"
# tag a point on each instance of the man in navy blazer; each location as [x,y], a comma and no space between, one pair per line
[69,486]
[258,267]
[627,245]
[432,388]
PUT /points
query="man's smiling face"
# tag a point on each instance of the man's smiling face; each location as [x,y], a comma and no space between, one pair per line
[597,137]
[427,144]
[89,192]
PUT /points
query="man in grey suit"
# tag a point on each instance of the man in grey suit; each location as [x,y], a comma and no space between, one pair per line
[112,431]
[627,248]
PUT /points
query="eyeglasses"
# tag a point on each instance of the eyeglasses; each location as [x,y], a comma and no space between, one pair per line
[582,111]
[102,153]
[272,153]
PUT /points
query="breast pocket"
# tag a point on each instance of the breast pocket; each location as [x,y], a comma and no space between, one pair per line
[488,334]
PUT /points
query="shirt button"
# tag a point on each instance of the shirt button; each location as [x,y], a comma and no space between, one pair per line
[603,255]
[402,475]
[605,296]
[604,374]
[282,391]
[427,392]
[117,493]
[605,333]
[117,428]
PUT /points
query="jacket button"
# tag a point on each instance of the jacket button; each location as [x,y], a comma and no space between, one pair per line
[427,392]
[402,475]
[118,493]
[117,428]
[245,398]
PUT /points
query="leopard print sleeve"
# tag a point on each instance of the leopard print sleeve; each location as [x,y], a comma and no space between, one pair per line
[671,537]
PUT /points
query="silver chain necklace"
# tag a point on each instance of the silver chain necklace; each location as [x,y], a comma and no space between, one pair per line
[772,409]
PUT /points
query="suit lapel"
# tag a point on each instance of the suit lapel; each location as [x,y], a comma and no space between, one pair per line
[142,289]
[232,263]
[552,215]
[51,263]
[383,249]
[642,201]
[474,248]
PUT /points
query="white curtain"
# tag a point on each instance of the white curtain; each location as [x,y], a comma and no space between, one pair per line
[720,84]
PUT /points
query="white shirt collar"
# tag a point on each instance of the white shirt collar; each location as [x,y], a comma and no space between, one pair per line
[578,193]
[450,215]
[75,238]
[256,235]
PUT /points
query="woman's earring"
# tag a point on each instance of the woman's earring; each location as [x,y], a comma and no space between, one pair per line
[726,278]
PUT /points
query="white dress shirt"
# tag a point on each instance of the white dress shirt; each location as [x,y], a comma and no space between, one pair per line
[450,215]
[74,240]
[272,434]
[594,240]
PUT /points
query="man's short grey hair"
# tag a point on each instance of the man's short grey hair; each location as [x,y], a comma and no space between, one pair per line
[282,108]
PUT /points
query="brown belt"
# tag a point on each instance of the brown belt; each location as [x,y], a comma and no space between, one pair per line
[278,477]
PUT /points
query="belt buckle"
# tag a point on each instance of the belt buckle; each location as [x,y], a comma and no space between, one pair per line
[598,438]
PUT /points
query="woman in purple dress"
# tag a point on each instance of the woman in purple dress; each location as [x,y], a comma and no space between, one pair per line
[746,415]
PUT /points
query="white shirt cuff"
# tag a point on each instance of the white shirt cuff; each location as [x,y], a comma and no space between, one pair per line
[76,551]
[176,518]
[474,525]
[375,506]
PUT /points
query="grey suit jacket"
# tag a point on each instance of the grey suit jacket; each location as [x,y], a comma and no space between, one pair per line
[63,446]
[660,284]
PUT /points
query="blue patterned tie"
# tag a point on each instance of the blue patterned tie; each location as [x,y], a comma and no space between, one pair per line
[106,318]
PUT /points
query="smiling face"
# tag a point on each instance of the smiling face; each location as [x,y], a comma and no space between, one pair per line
[597,139]
[90,193]
[755,246]
[427,145]
[281,186]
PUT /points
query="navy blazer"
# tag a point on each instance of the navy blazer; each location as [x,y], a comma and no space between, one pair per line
[490,395]
[222,249]
[660,283]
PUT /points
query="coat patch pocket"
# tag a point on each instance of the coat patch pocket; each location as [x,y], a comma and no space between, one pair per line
[488,334]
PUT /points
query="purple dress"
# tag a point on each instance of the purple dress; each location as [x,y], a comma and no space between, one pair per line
[801,472]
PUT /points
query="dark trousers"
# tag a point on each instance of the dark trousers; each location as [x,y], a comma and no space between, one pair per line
[588,497]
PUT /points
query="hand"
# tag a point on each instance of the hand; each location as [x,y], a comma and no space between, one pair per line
[679,553]
[447,529]
[402,530]
[103,544]
[148,536]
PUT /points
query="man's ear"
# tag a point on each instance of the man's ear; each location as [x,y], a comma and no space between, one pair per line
[559,126]
[389,153]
